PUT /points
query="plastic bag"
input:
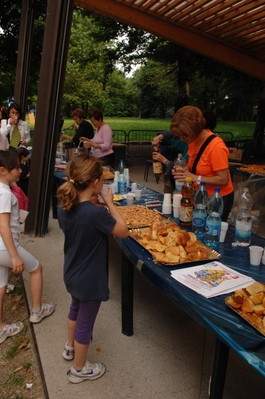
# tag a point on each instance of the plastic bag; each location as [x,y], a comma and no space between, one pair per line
[256,186]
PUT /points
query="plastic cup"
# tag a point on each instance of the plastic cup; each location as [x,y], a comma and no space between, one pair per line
[167,199]
[176,211]
[138,194]
[113,188]
[166,209]
[134,187]
[130,197]
[255,254]
[105,189]
[176,200]
[224,228]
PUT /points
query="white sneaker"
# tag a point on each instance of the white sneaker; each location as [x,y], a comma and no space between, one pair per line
[68,352]
[47,308]
[10,330]
[91,371]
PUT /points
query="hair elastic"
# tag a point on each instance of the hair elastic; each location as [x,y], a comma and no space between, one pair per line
[72,181]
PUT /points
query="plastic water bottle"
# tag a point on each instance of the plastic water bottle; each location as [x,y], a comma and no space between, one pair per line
[122,187]
[213,222]
[127,177]
[180,162]
[199,212]
[212,230]
[215,203]
[121,167]
[244,219]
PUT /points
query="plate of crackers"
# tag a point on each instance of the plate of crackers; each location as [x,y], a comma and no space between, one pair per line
[169,245]
[249,303]
[137,216]
[108,175]
[258,169]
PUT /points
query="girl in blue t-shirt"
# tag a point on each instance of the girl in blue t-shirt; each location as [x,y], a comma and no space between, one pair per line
[85,226]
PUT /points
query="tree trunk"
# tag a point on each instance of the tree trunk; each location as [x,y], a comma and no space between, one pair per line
[183,80]
[260,124]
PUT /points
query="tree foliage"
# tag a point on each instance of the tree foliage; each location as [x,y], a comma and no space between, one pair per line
[10,23]
[102,52]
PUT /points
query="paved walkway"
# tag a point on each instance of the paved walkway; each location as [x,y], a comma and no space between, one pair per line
[168,357]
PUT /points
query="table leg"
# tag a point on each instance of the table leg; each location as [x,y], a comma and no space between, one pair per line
[127,271]
[221,353]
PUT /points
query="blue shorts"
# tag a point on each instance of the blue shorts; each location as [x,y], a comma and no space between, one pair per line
[30,264]
[84,313]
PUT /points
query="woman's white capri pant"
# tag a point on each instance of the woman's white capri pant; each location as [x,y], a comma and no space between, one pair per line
[30,264]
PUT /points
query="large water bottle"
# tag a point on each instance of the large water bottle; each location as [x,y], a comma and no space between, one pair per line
[122,186]
[212,230]
[213,222]
[179,163]
[199,212]
[215,203]
[121,167]
[244,219]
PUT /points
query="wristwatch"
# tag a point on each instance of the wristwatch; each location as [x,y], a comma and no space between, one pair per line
[198,180]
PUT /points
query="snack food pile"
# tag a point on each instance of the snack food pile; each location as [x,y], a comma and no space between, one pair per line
[139,215]
[108,175]
[170,245]
[249,302]
[259,169]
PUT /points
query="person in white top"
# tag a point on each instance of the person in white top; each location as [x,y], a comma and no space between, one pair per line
[15,128]
[12,255]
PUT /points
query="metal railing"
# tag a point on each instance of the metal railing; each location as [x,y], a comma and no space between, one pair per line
[226,136]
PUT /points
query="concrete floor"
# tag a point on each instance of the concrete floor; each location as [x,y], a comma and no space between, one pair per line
[169,356]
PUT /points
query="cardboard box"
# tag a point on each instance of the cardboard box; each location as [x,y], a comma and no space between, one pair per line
[235,154]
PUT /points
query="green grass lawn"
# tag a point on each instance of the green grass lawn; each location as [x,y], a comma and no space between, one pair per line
[238,129]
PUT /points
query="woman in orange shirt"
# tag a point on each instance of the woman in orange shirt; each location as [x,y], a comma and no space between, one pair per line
[212,168]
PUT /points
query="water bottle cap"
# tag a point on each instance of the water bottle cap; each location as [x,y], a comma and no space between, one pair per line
[188,179]
[217,189]
[215,214]
[202,183]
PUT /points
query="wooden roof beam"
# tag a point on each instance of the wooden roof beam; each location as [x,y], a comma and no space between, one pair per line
[206,46]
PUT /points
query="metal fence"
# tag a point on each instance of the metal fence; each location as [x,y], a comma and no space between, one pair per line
[138,143]
[227,137]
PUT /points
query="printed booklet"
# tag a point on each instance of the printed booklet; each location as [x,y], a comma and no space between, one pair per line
[211,279]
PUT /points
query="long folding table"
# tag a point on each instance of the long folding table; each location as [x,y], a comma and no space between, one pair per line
[229,329]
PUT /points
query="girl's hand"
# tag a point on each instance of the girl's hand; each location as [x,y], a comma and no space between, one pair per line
[94,199]
[18,264]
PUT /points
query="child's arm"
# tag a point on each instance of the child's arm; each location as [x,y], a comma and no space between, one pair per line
[17,262]
[120,229]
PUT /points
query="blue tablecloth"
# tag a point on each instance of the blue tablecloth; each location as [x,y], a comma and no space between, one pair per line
[212,313]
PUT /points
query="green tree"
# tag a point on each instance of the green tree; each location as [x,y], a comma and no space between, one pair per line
[91,75]
[10,21]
